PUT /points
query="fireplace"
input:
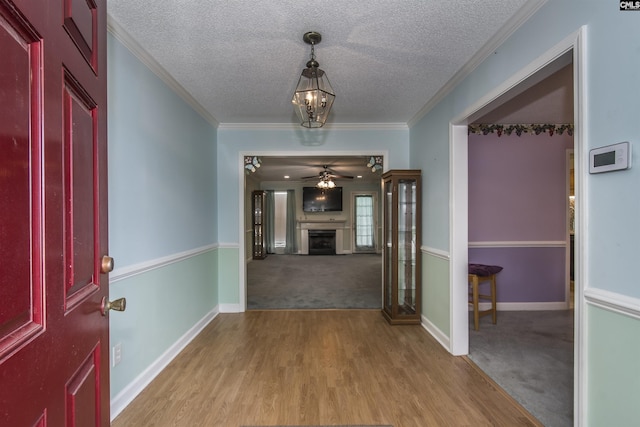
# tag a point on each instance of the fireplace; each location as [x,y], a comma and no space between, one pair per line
[318,225]
[322,242]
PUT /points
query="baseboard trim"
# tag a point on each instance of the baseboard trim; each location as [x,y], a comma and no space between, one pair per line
[612,301]
[525,306]
[230,308]
[436,333]
[532,306]
[520,244]
[143,267]
[135,387]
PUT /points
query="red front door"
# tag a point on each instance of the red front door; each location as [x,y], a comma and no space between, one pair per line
[54,341]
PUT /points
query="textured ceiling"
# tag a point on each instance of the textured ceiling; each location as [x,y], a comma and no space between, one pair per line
[386,59]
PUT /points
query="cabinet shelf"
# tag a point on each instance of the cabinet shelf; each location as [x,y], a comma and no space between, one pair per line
[258,208]
[402,283]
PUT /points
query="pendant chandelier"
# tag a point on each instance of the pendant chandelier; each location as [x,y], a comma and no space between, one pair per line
[314,96]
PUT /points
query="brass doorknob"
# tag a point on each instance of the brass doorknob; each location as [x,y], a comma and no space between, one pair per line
[118,305]
[106,265]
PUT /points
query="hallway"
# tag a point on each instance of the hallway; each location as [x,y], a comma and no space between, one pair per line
[319,367]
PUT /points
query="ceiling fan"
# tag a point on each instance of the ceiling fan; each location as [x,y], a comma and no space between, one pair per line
[327,174]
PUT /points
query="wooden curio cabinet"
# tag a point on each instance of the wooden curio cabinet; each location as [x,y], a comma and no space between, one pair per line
[402,279]
[258,218]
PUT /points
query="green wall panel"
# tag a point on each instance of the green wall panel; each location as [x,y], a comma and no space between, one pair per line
[613,375]
[228,275]
[435,292]
[162,305]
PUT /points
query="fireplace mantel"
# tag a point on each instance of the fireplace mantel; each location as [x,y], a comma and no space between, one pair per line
[319,224]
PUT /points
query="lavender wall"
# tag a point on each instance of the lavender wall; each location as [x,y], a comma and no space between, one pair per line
[517,208]
[529,275]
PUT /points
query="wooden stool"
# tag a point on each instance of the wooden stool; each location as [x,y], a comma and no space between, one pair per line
[479,273]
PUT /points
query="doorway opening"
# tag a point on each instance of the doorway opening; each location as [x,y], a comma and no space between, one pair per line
[570,50]
[291,279]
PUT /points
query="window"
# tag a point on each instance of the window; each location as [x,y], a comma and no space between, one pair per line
[364,223]
[280,223]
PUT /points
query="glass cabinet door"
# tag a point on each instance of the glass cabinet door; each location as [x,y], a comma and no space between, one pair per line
[388,247]
[258,202]
[402,246]
[407,246]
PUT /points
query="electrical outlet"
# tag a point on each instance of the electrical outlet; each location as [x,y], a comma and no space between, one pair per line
[117,354]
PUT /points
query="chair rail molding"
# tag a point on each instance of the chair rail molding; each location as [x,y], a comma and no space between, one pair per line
[152,264]
[611,301]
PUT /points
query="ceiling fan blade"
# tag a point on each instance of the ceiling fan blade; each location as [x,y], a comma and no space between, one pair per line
[327,173]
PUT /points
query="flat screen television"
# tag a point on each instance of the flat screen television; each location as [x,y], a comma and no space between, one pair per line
[315,199]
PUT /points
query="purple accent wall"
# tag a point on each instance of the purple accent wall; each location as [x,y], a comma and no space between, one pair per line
[529,275]
[517,187]
[517,193]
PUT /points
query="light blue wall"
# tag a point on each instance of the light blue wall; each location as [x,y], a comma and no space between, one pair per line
[611,103]
[162,215]
[299,142]
[430,152]
[162,158]
[613,58]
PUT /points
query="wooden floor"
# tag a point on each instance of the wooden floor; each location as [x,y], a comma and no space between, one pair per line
[273,368]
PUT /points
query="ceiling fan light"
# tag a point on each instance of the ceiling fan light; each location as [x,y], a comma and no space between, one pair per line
[326,184]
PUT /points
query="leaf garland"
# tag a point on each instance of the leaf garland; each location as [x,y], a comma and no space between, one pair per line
[519,129]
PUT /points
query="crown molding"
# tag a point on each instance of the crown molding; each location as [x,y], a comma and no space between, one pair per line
[530,8]
[328,127]
[139,52]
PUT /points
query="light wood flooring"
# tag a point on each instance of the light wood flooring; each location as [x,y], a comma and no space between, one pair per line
[274,368]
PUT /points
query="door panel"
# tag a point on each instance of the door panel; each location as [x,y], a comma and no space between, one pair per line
[21,287]
[80,183]
[80,22]
[83,393]
[54,347]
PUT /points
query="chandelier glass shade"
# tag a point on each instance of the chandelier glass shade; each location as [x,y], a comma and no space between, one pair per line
[314,95]
[326,184]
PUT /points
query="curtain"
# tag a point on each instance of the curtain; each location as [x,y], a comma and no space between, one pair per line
[292,237]
[365,228]
[269,229]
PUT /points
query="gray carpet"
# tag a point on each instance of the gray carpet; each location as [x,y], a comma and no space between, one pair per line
[530,355]
[315,282]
